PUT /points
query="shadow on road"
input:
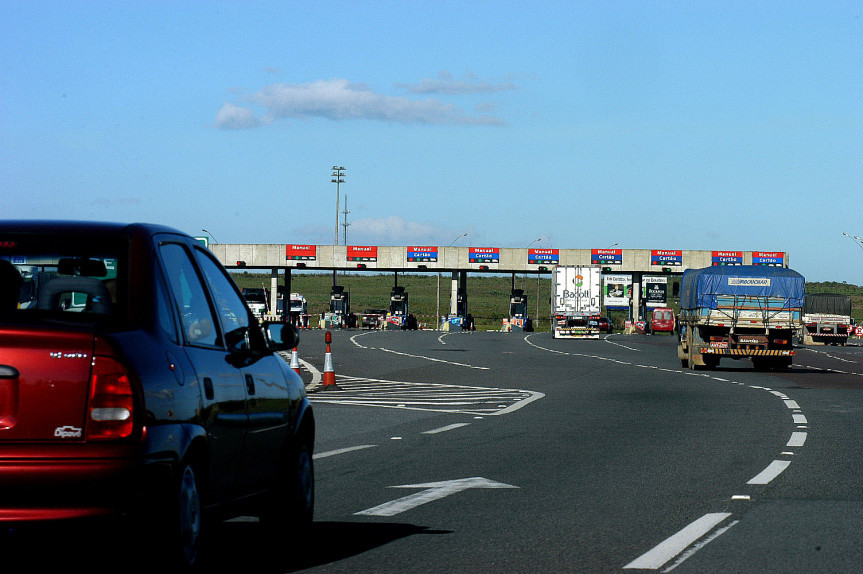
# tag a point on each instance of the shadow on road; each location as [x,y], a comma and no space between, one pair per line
[242,546]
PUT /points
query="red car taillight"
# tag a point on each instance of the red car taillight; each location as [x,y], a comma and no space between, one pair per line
[111,406]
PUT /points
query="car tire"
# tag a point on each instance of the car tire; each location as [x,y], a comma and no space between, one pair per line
[171,530]
[292,500]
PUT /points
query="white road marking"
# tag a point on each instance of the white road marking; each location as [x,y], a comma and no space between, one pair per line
[342,451]
[674,545]
[799,419]
[446,428]
[797,439]
[773,470]
[699,545]
[433,359]
[433,491]
[791,404]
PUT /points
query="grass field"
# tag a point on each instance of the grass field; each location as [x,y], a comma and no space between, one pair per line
[488,295]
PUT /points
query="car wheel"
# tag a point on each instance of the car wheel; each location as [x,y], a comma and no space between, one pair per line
[293,497]
[171,525]
[188,518]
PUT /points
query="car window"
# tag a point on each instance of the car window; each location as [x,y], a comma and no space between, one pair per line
[231,309]
[199,326]
[61,279]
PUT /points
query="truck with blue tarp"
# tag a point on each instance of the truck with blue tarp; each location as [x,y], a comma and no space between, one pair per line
[738,312]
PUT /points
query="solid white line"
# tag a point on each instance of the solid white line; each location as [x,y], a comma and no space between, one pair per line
[433,359]
[446,428]
[797,439]
[773,470]
[699,546]
[671,547]
[342,451]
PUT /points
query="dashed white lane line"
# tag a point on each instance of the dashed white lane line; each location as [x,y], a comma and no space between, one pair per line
[342,451]
[361,346]
[446,428]
[797,439]
[674,545]
[773,470]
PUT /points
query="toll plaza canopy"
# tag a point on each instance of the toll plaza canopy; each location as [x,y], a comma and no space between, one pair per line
[492,259]
[701,288]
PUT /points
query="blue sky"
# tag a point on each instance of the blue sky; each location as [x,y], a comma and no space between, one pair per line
[652,125]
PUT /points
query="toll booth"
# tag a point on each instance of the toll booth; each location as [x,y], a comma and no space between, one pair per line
[518,319]
[340,308]
[461,302]
[518,304]
[398,313]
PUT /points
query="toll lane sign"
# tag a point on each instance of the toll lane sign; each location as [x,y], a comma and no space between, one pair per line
[484,255]
[770,258]
[727,258]
[362,253]
[666,258]
[543,256]
[420,254]
[301,252]
[606,256]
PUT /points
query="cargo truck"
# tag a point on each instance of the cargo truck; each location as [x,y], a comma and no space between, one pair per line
[826,319]
[575,305]
[739,312]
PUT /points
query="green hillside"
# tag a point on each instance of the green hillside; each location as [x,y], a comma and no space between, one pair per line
[488,295]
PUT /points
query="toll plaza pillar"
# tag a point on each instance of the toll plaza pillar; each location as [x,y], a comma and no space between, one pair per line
[453,297]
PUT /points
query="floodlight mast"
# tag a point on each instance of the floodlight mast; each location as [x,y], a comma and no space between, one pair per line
[338,175]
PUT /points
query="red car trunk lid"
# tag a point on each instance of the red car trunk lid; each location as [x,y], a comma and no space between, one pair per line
[45,383]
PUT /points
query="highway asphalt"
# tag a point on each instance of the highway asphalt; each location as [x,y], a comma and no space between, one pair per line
[513,452]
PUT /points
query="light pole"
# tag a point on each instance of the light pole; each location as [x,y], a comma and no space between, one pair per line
[211,235]
[537,279]
[338,175]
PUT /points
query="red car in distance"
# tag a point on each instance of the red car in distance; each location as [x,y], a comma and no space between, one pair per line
[662,320]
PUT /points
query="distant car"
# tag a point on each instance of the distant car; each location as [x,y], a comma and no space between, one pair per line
[662,320]
[605,325]
[373,318]
[602,324]
[143,388]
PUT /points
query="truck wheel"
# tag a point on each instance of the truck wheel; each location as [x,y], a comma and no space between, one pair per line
[684,363]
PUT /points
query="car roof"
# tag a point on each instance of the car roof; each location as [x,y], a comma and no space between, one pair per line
[97,228]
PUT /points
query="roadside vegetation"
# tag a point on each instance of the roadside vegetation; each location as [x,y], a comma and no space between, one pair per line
[488,295]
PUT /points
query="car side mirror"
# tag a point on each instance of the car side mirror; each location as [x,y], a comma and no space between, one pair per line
[281,336]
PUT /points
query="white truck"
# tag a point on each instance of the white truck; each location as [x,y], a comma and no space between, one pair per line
[575,306]
[826,319]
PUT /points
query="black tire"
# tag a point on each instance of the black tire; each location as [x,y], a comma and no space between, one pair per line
[291,505]
[172,525]
[187,519]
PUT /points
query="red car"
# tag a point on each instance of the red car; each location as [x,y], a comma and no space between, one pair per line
[662,320]
[135,383]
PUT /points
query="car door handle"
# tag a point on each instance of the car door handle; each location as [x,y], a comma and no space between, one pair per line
[208,389]
[250,384]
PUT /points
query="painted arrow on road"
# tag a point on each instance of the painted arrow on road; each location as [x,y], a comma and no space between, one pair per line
[433,491]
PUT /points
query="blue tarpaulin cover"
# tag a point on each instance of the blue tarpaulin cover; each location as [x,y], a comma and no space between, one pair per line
[701,287]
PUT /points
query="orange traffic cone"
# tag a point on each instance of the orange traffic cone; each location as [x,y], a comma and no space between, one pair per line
[329,380]
[295,361]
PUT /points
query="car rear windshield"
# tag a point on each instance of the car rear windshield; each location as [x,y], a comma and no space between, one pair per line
[59,278]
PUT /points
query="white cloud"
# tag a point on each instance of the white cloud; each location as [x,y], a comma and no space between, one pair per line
[392,230]
[338,100]
[233,117]
[446,84]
